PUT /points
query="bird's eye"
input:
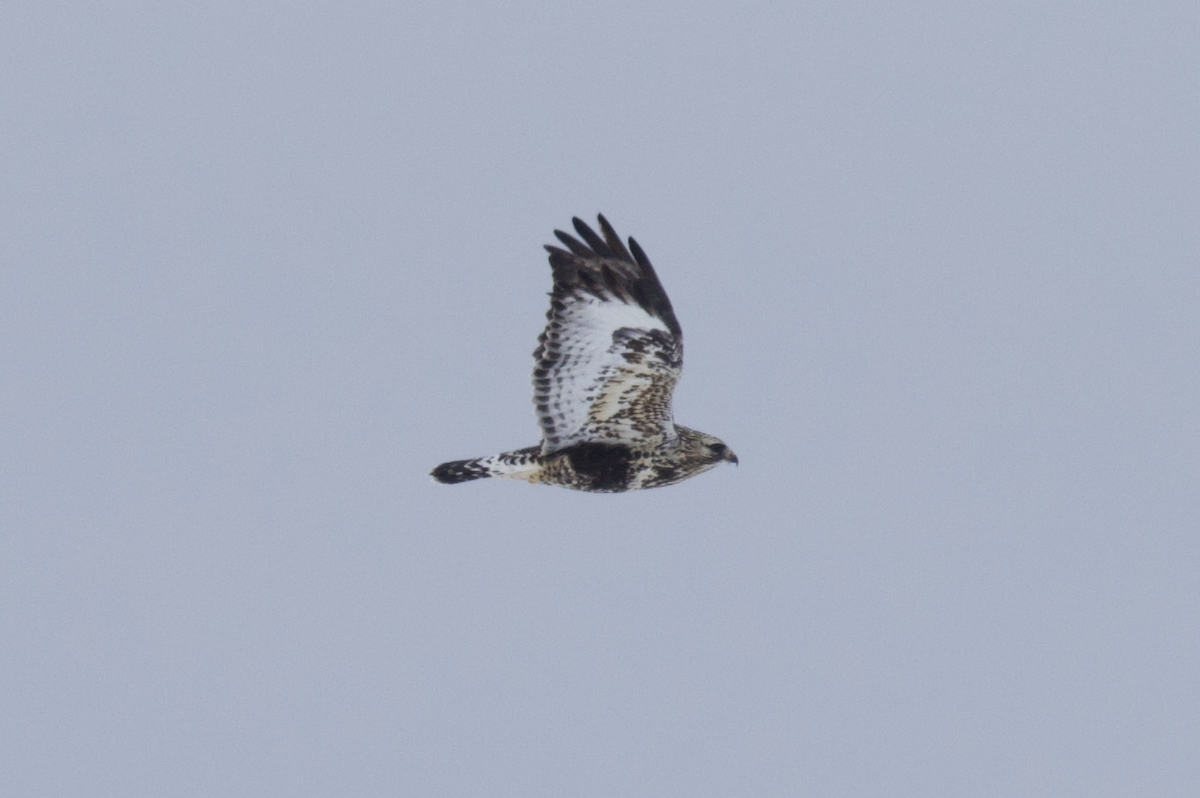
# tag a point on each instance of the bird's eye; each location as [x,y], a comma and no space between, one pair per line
[718,449]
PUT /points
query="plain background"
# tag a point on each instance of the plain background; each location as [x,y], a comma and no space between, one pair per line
[265,264]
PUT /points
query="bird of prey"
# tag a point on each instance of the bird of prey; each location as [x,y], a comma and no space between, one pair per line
[606,365]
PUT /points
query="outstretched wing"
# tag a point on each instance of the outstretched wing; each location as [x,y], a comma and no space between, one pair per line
[612,349]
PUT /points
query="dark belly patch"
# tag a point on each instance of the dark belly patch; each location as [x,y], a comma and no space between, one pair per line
[606,466]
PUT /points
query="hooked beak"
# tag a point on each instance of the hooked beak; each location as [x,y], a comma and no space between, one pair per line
[731,457]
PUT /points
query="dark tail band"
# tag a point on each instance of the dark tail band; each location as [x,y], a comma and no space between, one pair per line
[459,471]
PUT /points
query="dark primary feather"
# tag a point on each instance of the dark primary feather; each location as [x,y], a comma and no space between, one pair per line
[610,236]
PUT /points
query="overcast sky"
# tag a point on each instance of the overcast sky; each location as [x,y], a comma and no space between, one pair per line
[263,265]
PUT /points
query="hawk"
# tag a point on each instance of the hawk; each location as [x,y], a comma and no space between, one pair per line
[606,365]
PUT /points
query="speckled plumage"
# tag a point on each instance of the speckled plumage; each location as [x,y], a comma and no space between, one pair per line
[606,366]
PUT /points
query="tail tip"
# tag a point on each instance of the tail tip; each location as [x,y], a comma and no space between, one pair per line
[458,471]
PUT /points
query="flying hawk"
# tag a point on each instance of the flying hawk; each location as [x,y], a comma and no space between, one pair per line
[607,363]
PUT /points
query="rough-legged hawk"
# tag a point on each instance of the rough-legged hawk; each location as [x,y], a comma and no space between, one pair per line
[607,363]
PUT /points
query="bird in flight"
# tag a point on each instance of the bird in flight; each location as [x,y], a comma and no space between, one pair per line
[606,366]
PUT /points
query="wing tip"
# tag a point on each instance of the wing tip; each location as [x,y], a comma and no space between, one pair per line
[581,266]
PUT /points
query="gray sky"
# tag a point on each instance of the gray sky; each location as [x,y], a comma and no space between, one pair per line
[938,268]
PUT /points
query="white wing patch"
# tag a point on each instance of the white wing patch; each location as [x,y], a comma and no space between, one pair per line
[604,358]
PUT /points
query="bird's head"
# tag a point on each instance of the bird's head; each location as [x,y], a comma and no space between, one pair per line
[715,449]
